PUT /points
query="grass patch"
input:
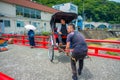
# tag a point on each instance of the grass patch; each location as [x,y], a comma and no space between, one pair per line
[44,33]
[112,53]
[93,44]
[115,39]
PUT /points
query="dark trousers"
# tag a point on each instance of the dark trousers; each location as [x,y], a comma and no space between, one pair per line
[31,41]
[60,37]
[78,57]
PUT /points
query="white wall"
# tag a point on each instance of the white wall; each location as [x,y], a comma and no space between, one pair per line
[7,9]
[66,7]
[46,17]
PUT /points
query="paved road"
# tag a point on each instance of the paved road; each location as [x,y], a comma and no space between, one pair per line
[23,63]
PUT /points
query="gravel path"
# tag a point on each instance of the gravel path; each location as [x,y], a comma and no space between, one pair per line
[24,63]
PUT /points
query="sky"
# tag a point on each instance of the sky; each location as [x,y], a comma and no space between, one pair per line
[115,0]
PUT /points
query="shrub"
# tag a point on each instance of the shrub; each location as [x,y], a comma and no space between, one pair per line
[112,53]
[45,33]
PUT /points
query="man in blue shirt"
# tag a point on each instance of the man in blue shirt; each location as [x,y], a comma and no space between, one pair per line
[76,42]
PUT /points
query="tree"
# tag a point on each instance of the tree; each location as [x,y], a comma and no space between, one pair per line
[95,10]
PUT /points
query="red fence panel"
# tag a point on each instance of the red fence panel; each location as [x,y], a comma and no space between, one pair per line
[97,49]
[42,42]
[5,77]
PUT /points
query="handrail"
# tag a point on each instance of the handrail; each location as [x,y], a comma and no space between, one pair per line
[105,41]
[42,42]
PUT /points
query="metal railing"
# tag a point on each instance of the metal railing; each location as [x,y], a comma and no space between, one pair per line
[42,42]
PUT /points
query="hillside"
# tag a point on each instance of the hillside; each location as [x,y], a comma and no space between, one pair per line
[98,34]
[95,10]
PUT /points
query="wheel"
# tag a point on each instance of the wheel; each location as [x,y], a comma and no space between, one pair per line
[51,49]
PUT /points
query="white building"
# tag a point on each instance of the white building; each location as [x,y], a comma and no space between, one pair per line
[15,14]
[66,7]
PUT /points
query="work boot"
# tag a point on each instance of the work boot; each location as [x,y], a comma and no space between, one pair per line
[79,72]
[74,77]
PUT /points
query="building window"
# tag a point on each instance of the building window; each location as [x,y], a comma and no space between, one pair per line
[45,24]
[26,12]
[38,14]
[20,24]
[19,11]
[36,24]
[7,23]
[57,7]
[72,7]
[33,13]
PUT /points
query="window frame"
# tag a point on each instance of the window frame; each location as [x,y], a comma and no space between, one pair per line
[5,23]
[28,12]
[19,22]
[19,11]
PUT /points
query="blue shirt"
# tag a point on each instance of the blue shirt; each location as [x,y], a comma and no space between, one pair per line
[77,41]
[31,33]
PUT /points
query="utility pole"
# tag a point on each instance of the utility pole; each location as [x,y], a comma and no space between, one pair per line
[83,26]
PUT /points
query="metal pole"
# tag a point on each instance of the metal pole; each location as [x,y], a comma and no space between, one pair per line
[76,24]
[83,15]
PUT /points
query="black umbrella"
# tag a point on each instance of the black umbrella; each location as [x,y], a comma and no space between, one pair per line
[63,15]
[68,17]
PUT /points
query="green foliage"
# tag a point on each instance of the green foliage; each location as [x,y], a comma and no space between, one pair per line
[112,53]
[45,33]
[95,10]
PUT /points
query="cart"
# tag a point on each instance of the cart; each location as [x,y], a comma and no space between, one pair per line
[53,38]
